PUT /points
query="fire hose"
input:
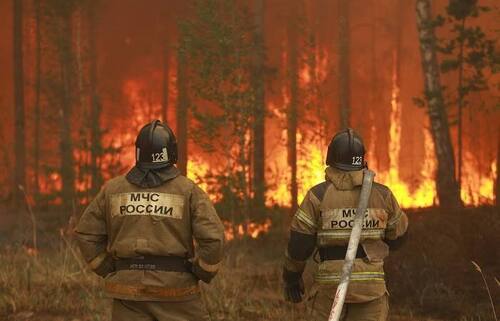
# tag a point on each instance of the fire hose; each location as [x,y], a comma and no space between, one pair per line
[341,292]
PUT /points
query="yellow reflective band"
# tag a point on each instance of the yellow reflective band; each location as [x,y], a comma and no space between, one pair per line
[355,276]
[209,267]
[97,261]
[341,234]
[304,218]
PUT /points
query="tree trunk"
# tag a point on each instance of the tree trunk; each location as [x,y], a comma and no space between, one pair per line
[182,112]
[344,64]
[19,136]
[66,142]
[497,181]
[447,187]
[38,64]
[460,109]
[96,149]
[82,161]
[259,183]
[293,107]
[164,104]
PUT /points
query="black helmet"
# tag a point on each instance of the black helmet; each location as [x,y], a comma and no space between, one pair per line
[155,146]
[346,151]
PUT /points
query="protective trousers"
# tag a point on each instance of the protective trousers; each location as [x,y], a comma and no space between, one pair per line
[375,310]
[192,310]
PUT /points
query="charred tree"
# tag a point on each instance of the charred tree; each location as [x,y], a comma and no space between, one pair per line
[293,78]
[446,184]
[62,29]
[96,148]
[344,64]
[81,162]
[38,83]
[19,130]
[165,82]
[259,184]
[182,111]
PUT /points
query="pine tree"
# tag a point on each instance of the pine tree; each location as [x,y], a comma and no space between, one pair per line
[19,122]
[292,112]
[259,184]
[344,64]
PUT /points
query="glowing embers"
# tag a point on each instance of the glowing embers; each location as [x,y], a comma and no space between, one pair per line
[251,229]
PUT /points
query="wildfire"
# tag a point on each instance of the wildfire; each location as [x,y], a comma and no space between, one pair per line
[252,229]
[477,182]
[424,194]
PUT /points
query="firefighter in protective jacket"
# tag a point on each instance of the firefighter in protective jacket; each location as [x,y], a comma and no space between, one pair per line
[139,234]
[324,222]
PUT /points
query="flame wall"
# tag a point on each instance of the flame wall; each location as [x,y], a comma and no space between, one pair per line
[385,75]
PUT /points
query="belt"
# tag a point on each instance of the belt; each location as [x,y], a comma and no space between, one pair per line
[155,263]
[338,253]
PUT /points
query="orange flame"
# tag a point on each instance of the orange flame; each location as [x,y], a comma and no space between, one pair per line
[254,230]
[477,187]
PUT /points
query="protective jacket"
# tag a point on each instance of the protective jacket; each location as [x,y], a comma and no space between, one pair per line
[127,221]
[324,221]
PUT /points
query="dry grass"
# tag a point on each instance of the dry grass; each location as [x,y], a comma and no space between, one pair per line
[430,278]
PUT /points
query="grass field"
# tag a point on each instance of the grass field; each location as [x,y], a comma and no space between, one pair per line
[430,278]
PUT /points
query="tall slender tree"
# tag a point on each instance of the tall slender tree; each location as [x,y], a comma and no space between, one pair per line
[259,185]
[60,24]
[468,53]
[293,79]
[19,128]
[344,64]
[165,81]
[38,72]
[96,148]
[447,187]
[182,109]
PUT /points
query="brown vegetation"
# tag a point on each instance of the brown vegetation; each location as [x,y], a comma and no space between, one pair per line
[430,278]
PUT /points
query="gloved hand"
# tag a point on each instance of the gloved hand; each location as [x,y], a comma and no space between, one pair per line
[294,286]
[198,272]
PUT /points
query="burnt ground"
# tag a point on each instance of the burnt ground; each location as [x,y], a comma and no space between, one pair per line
[431,277]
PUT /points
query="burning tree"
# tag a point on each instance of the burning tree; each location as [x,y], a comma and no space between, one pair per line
[219,45]
[446,184]
[469,56]
[20,176]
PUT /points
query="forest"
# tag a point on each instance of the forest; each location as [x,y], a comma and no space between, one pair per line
[254,91]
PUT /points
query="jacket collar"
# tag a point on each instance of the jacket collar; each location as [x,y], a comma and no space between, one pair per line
[149,178]
[344,180]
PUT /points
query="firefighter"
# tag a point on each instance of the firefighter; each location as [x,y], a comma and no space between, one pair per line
[139,233]
[324,222]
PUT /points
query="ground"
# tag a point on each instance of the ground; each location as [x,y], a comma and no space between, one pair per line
[430,278]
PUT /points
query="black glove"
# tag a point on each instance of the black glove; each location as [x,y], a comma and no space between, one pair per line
[294,286]
[198,272]
[396,244]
